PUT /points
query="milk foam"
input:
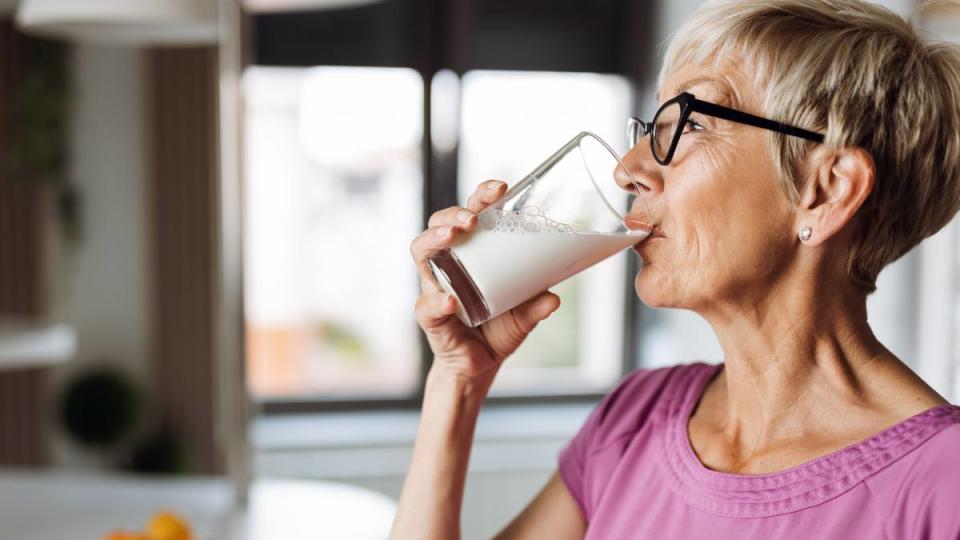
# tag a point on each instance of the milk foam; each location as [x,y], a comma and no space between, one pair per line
[529,220]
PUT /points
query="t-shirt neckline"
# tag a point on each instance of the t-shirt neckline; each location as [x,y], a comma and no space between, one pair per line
[801,486]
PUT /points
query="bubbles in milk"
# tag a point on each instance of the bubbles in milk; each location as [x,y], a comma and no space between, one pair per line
[528,220]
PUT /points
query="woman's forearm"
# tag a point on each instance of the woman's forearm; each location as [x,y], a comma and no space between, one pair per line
[433,490]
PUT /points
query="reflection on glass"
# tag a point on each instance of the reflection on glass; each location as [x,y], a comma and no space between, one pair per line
[333,196]
[509,121]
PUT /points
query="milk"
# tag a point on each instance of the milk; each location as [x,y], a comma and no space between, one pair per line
[512,256]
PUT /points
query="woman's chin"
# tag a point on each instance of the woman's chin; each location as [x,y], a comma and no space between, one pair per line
[651,289]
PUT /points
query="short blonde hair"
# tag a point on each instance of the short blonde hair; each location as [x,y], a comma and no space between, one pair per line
[865,78]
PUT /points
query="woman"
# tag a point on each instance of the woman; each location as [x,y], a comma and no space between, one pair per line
[774,232]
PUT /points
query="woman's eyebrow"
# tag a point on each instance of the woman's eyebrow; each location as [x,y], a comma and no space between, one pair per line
[720,87]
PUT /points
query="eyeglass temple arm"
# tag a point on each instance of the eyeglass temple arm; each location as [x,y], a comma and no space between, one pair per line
[746,118]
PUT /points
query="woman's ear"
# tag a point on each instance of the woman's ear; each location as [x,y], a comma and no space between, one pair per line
[838,185]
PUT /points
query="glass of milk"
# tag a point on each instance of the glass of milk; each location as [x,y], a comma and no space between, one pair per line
[562,218]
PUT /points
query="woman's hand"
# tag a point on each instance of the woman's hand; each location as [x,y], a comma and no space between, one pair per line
[474,353]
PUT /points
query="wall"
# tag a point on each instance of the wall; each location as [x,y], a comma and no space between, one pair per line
[182,192]
[100,285]
[137,287]
[23,210]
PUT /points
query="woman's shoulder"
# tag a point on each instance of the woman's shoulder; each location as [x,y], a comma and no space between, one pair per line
[932,443]
[934,466]
[921,491]
[646,395]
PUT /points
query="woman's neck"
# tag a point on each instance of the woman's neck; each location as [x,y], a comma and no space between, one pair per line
[799,360]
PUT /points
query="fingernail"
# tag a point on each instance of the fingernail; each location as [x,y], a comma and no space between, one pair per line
[495,185]
[443,231]
[464,216]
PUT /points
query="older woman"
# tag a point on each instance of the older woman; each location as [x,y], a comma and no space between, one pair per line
[774,231]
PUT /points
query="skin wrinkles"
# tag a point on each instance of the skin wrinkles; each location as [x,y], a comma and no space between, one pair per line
[695,169]
[803,373]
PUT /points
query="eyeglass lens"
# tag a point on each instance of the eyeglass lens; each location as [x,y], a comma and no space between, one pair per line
[662,133]
[664,129]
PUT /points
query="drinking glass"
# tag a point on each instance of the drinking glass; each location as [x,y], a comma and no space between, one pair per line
[562,218]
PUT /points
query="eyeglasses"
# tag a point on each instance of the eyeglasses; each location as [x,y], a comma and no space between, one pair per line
[672,118]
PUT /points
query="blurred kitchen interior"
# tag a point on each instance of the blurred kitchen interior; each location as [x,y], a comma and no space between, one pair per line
[205,287]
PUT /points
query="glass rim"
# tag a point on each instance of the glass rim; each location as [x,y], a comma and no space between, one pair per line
[633,179]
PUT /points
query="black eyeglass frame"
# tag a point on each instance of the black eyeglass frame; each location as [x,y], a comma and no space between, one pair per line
[637,129]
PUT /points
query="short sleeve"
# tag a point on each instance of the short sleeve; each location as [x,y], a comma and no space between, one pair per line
[928,507]
[620,414]
[573,457]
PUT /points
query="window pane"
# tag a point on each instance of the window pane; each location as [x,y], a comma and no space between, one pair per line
[333,188]
[510,122]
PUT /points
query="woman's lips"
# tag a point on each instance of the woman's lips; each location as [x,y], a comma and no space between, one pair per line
[642,222]
[656,233]
[636,223]
[637,226]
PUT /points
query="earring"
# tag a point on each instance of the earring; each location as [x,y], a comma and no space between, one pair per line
[805,233]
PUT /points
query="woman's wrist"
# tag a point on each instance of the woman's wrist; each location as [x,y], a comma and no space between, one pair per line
[433,490]
[451,406]
[444,381]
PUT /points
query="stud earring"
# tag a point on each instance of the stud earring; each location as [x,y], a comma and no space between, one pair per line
[805,233]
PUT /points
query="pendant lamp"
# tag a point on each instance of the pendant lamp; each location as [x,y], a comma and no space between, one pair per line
[122,22]
[273,6]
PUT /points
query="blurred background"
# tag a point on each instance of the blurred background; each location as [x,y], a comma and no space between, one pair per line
[206,296]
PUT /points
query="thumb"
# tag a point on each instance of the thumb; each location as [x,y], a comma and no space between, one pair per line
[538,308]
[507,331]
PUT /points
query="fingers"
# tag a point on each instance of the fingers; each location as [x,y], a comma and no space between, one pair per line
[433,309]
[453,216]
[486,194]
[444,226]
[430,241]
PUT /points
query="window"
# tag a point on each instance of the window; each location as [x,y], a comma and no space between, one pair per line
[333,196]
[330,287]
[334,190]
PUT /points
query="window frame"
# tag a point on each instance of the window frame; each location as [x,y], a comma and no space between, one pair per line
[436,195]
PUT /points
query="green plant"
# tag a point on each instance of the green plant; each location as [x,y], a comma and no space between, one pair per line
[160,453]
[38,125]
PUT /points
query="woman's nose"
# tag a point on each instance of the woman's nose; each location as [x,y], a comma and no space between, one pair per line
[641,168]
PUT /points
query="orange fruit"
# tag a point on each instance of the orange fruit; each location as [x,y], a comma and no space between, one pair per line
[168,526]
[124,535]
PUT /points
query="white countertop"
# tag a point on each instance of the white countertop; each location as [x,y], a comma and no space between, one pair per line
[60,505]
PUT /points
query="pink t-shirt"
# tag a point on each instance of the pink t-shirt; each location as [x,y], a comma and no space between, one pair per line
[634,474]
